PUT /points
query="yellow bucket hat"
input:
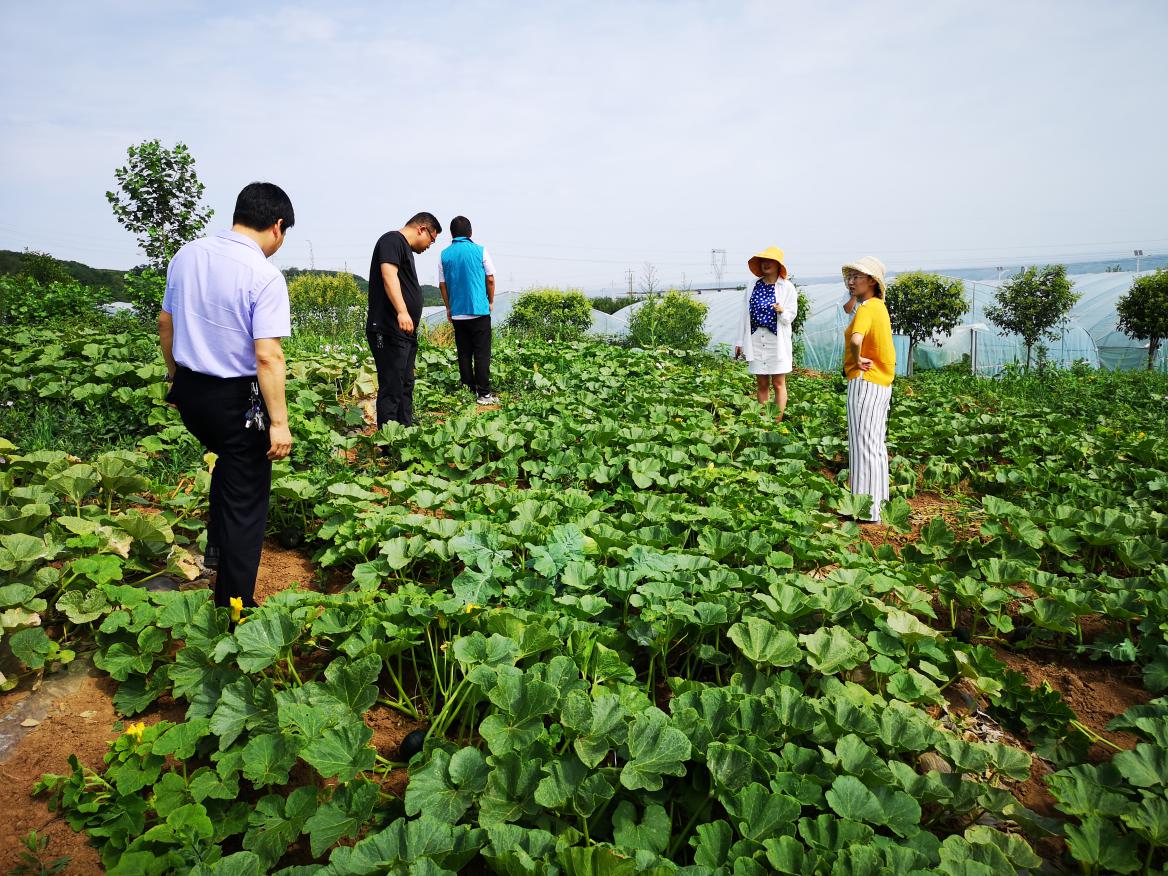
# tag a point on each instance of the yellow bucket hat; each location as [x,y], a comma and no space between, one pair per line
[871,266]
[774,254]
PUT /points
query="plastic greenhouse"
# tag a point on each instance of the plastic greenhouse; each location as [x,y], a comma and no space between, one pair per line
[1090,334]
[602,323]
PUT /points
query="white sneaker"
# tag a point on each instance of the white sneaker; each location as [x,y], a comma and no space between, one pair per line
[488,399]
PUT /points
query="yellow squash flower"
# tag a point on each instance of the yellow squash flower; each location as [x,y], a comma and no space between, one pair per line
[236,608]
[136,730]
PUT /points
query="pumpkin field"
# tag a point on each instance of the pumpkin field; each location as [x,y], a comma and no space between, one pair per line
[624,622]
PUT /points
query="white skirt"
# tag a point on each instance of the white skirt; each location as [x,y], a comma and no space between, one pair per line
[767,359]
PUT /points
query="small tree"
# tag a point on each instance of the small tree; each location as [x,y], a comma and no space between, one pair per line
[1033,303]
[550,315]
[672,320]
[924,306]
[1143,311]
[159,199]
[649,283]
[328,305]
[43,268]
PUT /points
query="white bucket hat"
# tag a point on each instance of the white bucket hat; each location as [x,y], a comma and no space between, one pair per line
[871,266]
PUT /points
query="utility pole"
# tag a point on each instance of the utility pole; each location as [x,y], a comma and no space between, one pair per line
[718,263]
[311,256]
[629,275]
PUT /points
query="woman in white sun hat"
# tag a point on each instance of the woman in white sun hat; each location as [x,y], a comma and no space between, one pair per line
[764,330]
[869,364]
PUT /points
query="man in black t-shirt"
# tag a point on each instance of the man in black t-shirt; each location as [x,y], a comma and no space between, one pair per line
[395,309]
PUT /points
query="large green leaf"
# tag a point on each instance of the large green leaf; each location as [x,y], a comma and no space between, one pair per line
[598,723]
[522,703]
[833,649]
[341,817]
[267,759]
[760,813]
[1097,843]
[762,643]
[651,831]
[656,749]
[277,821]
[263,638]
[341,752]
[446,787]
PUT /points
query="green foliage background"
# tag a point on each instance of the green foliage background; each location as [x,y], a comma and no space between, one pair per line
[1143,311]
[673,320]
[550,315]
[1033,303]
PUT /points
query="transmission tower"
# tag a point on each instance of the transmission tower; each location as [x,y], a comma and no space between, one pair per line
[629,275]
[718,263]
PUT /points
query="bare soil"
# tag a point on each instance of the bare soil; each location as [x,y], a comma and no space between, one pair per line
[1096,693]
[79,718]
[82,722]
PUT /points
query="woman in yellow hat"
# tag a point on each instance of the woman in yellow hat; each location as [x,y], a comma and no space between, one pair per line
[869,364]
[764,330]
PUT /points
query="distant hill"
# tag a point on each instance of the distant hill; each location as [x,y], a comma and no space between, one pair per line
[12,263]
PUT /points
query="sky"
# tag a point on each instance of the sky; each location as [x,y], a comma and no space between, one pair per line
[589,140]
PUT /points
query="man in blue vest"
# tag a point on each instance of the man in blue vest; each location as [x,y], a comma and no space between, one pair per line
[466,279]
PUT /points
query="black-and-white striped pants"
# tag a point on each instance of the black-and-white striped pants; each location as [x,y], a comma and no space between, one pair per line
[867,451]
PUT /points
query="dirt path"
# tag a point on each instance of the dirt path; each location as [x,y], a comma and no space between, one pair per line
[74,714]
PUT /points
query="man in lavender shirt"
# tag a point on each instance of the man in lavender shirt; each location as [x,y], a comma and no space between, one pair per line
[223,315]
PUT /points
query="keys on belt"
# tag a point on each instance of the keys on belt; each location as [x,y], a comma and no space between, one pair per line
[254,418]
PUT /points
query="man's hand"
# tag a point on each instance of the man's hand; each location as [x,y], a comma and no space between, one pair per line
[405,323]
[281,441]
[778,308]
[449,318]
[737,352]
[865,364]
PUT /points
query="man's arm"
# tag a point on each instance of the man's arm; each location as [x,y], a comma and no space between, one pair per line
[166,336]
[270,374]
[445,300]
[394,294]
[490,291]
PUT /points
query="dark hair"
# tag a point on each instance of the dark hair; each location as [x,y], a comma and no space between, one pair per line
[260,205]
[460,227]
[426,220]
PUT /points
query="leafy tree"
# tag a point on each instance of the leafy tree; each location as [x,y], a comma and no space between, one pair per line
[43,268]
[145,287]
[159,199]
[551,314]
[673,320]
[328,305]
[1143,311]
[1033,303]
[924,306]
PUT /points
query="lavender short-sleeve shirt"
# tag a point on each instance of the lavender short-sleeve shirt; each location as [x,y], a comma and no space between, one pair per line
[222,294]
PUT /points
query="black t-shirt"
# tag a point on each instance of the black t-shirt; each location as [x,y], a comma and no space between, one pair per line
[392,248]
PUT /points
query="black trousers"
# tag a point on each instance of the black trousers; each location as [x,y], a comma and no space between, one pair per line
[472,339]
[394,354]
[213,410]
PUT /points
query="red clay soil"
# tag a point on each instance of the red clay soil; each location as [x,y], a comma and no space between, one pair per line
[82,722]
[1096,694]
[389,729]
[925,506]
[282,569]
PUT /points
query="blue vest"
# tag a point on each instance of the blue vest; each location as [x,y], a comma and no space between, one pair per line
[466,281]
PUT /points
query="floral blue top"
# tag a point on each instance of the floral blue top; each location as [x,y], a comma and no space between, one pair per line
[762,308]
